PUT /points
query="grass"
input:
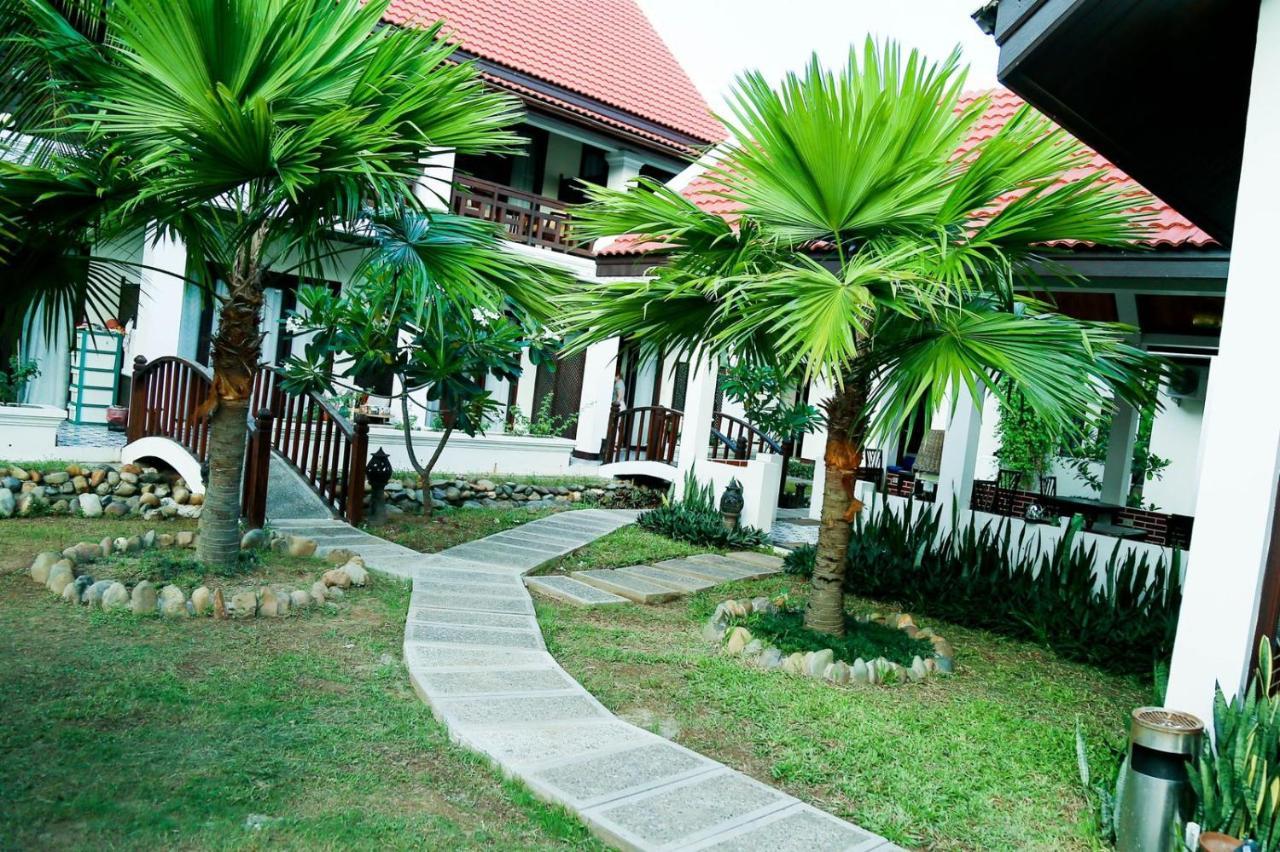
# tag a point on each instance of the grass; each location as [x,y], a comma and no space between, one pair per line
[786,631]
[629,545]
[447,528]
[123,732]
[981,760]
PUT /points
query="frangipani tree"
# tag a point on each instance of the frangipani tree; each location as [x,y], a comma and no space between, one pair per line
[869,252]
[265,134]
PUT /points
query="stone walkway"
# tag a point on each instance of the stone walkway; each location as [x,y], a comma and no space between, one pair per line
[661,581]
[476,656]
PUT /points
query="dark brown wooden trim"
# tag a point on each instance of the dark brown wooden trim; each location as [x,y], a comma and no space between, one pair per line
[585,456]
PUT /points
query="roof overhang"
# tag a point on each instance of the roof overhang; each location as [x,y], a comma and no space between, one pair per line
[1159,88]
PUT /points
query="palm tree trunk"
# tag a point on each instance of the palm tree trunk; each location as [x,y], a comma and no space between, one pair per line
[236,351]
[846,429]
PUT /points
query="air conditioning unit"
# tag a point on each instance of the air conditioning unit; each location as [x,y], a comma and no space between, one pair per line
[1187,383]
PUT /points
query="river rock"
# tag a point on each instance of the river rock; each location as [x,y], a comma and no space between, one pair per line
[164,541]
[738,639]
[96,477]
[299,599]
[90,505]
[301,546]
[40,566]
[61,574]
[268,604]
[82,585]
[143,599]
[185,538]
[339,556]
[356,571]
[244,605]
[57,477]
[70,594]
[8,503]
[838,672]
[201,600]
[181,496]
[93,595]
[173,602]
[116,597]
[254,539]
[794,664]
[858,673]
[219,604]
[770,658]
[917,670]
[319,591]
[18,473]
[816,662]
[336,577]
[335,593]
[149,501]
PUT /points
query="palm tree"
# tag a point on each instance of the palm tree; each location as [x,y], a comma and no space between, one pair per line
[262,133]
[865,251]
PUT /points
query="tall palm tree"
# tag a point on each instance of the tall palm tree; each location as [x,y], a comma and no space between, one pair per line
[867,250]
[263,133]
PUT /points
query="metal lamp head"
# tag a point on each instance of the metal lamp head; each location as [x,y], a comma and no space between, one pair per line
[379,469]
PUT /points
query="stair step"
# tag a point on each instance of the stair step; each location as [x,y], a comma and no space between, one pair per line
[746,570]
[573,591]
[685,583]
[632,588]
[696,567]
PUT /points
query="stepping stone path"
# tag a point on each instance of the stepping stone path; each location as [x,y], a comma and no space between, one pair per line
[662,581]
[476,655]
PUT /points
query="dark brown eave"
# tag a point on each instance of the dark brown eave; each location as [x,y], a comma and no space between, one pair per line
[547,94]
[1159,88]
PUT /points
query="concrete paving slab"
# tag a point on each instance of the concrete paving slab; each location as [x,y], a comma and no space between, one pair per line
[536,746]
[470,578]
[602,778]
[799,828]
[453,634]
[435,615]
[573,591]
[747,570]
[475,603]
[518,709]
[681,582]
[683,813]
[698,568]
[764,560]
[497,682]
[632,588]
[422,658]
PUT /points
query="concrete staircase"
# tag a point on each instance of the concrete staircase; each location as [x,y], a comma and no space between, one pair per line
[648,584]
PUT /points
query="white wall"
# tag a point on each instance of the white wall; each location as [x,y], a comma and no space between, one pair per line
[761,477]
[494,453]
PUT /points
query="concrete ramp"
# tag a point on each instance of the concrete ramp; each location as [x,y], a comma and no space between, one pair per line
[289,495]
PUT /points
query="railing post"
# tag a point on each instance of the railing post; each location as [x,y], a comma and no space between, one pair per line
[258,469]
[355,476]
[137,400]
[606,454]
[788,447]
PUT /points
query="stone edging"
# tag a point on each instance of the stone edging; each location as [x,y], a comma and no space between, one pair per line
[66,575]
[822,665]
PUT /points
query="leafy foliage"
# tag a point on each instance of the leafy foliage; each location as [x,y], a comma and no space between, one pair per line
[800,562]
[544,424]
[14,380]
[867,640]
[1107,796]
[761,390]
[1123,619]
[1236,779]
[1025,445]
[695,519]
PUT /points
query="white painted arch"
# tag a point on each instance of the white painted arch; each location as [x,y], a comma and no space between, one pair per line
[171,453]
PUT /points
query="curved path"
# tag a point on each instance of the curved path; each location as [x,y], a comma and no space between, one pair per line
[476,655]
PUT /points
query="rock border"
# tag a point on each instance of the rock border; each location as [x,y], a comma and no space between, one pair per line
[822,665]
[95,490]
[66,574]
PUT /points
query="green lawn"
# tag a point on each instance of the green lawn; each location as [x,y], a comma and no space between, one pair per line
[121,732]
[446,528]
[982,760]
[627,546]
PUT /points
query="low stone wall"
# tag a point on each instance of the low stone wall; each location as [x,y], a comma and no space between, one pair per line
[114,490]
[405,493]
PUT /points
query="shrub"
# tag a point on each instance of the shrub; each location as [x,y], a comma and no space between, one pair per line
[801,561]
[1124,619]
[696,520]
[785,629]
[1236,779]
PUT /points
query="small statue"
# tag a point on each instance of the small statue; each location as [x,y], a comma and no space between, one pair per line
[731,504]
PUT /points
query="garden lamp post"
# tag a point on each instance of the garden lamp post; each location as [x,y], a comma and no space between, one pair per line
[731,503]
[378,472]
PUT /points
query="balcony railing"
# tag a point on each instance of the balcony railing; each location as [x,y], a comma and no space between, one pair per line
[530,219]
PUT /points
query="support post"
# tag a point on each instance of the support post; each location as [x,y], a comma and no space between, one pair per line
[1235,506]
[623,167]
[137,400]
[960,452]
[695,427]
[355,476]
[597,394]
[1117,470]
[819,392]
[161,297]
[611,435]
[258,470]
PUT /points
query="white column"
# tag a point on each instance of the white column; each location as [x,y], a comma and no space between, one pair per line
[525,387]
[499,390]
[1117,469]
[160,297]
[597,395]
[623,166]
[695,428]
[1236,502]
[960,452]
[436,186]
[816,443]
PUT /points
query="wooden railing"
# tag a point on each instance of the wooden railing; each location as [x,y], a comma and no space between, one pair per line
[734,438]
[534,220]
[165,395]
[327,450]
[647,433]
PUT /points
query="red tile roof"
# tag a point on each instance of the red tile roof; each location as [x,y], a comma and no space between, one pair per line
[604,49]
[1167,228]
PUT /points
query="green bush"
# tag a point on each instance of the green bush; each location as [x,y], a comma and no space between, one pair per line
[696,520]
[785,630]
[1123,620]
[800,469]
[1236,779]
[801,561]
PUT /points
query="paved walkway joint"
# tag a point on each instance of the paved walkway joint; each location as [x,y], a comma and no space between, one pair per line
[476,655]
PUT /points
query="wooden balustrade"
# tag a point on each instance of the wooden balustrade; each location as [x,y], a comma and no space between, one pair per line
[164,399]
[325,449]
[734,438]
[534,220]
[646,433]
